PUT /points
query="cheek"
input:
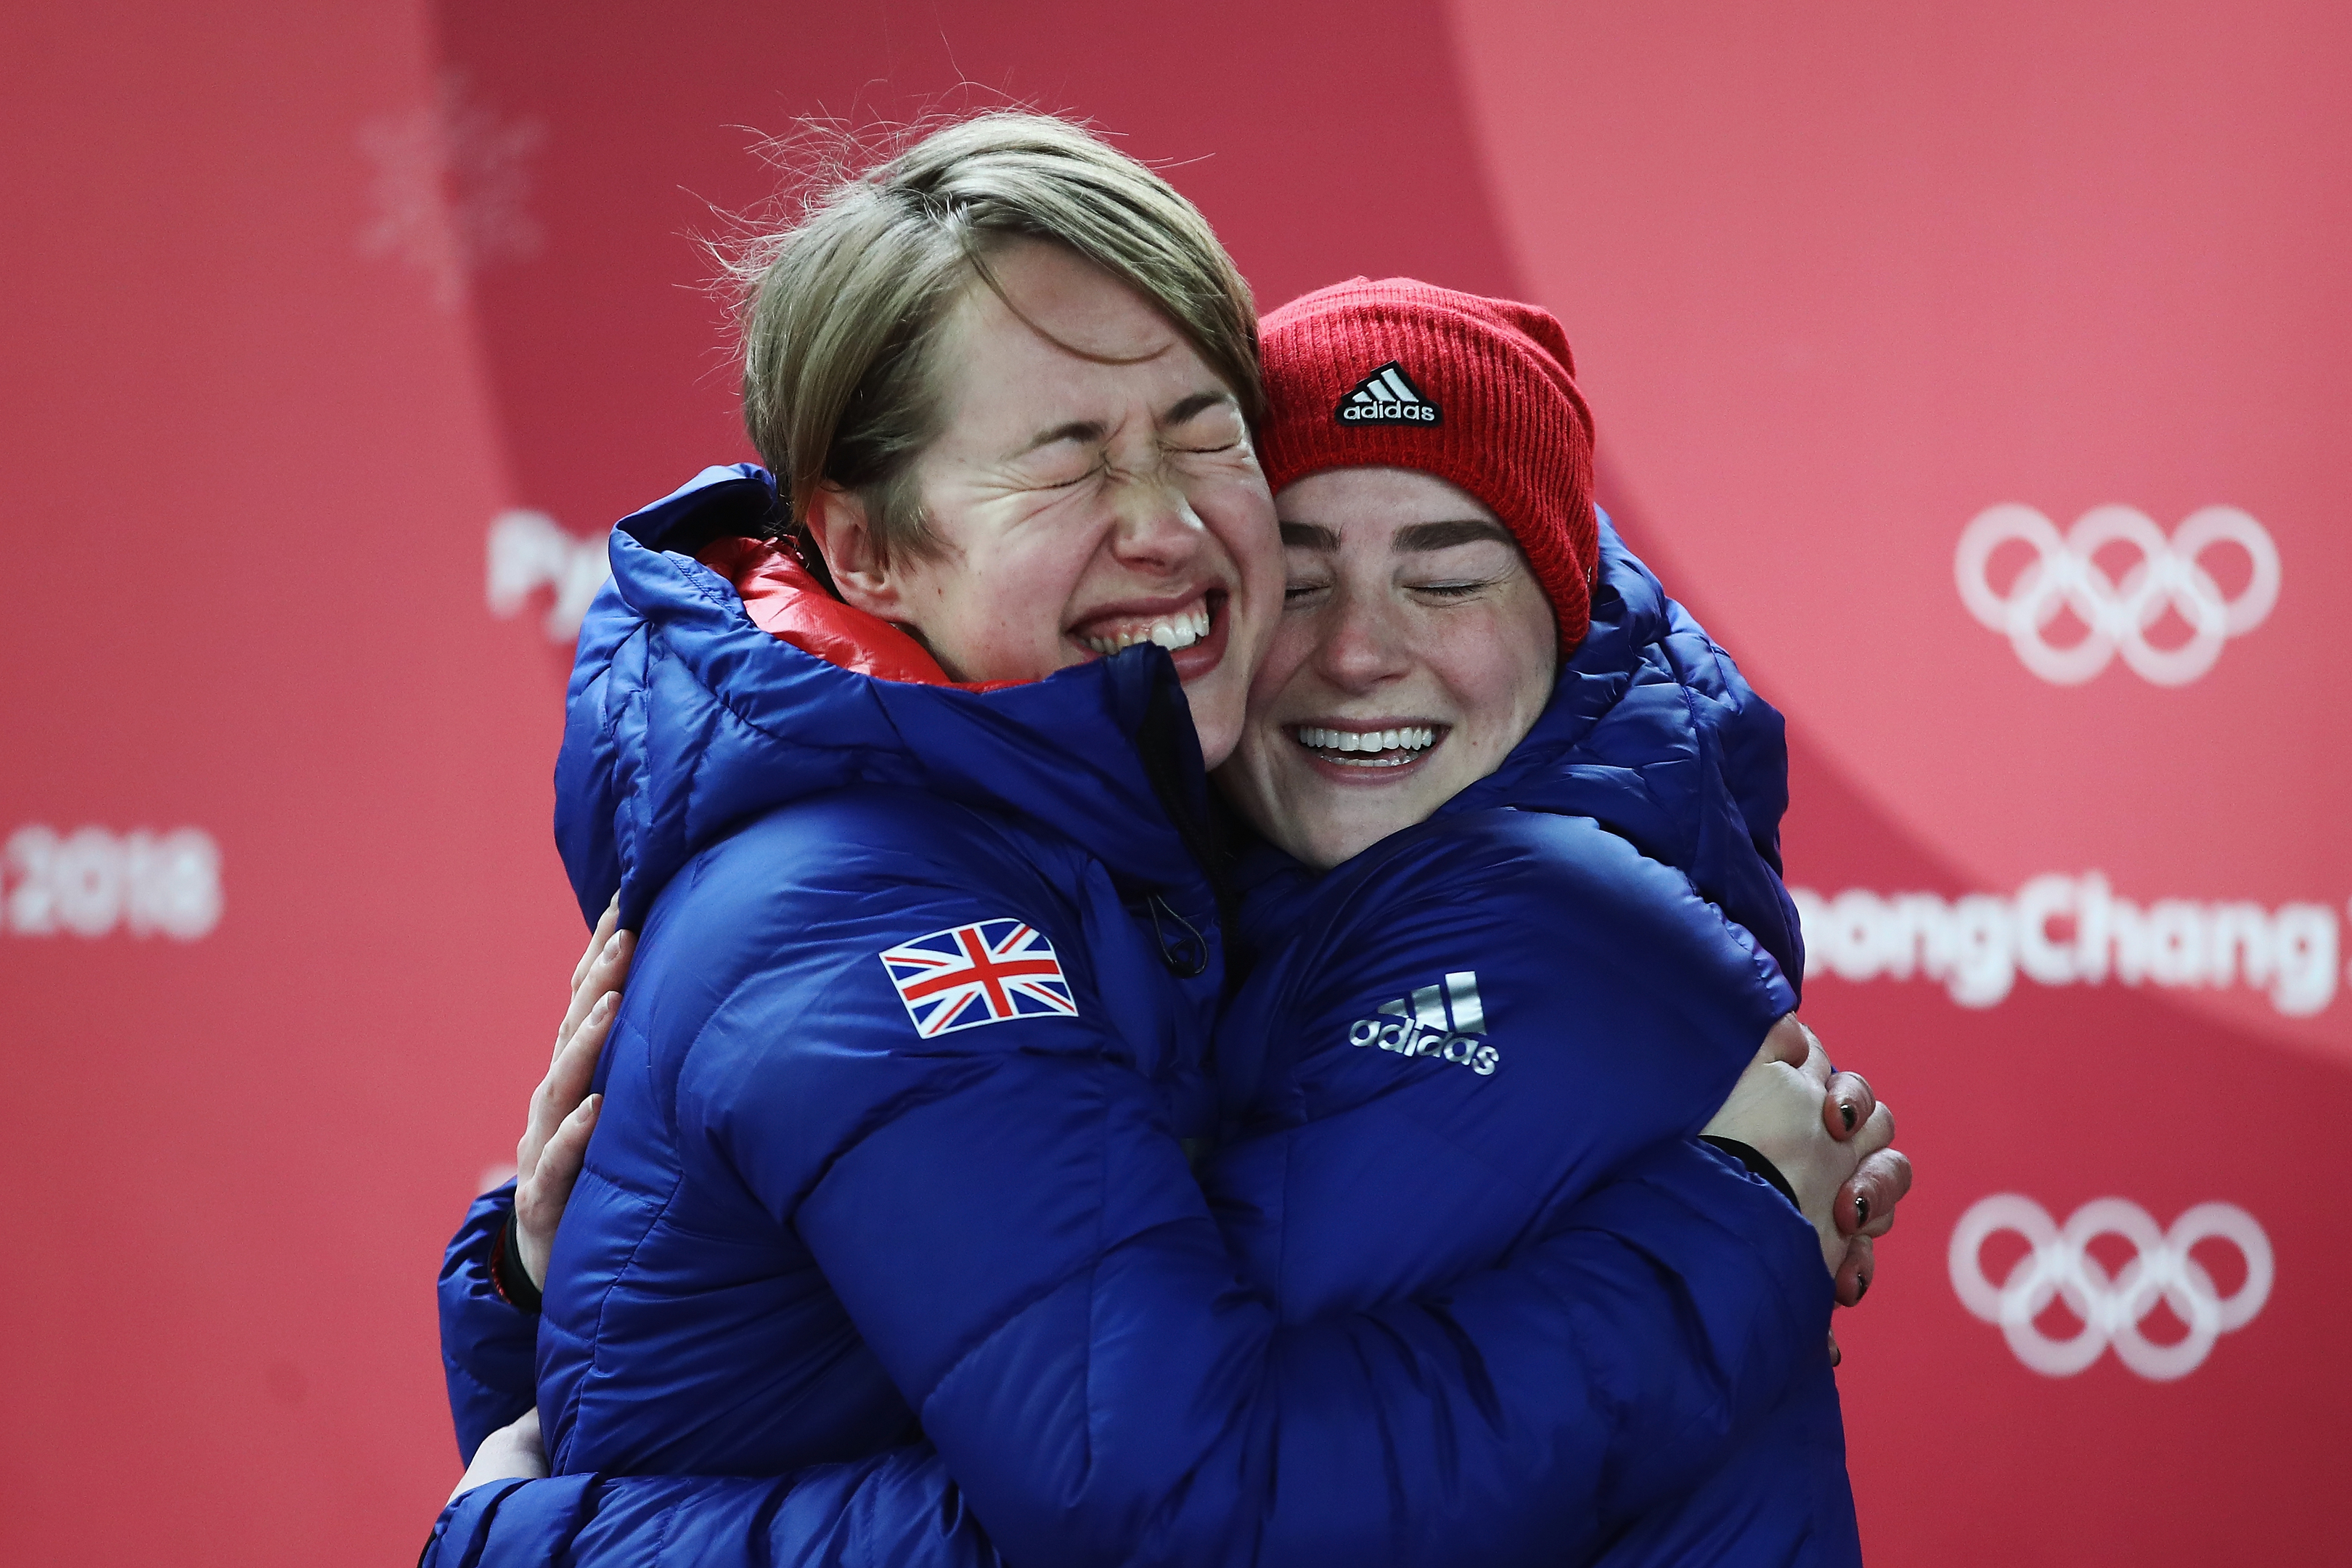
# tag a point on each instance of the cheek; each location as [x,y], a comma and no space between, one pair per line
[1024,584]
[1003,579]
[1543,677]
[1500,674]
[1238,511]
[1286,653]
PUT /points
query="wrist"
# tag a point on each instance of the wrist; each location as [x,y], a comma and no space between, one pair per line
[1751,1157]
[507,1276]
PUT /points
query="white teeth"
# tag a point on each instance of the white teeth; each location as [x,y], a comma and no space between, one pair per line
[1179,630]
[1378,748]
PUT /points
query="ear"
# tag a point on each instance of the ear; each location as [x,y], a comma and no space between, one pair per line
[844,537]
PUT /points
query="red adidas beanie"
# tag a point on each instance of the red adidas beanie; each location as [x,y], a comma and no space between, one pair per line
[1482,393]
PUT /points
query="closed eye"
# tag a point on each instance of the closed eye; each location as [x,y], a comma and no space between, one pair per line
[1211,423]
[1078,474]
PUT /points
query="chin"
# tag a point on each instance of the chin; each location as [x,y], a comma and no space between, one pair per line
[1216,720]
[1333,845]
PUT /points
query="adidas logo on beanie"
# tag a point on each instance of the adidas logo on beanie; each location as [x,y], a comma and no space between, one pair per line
[1388,397]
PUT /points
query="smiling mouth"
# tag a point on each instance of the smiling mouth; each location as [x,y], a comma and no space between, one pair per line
[1173,630]
[1394,748]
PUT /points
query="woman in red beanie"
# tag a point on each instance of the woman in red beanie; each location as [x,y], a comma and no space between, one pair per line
[1451,425]
[1515,917]
[1465,643]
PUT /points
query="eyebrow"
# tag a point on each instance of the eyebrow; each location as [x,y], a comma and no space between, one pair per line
[1423,536]
[1198,403]
[1085,432]
[1414,538]
[1091,432]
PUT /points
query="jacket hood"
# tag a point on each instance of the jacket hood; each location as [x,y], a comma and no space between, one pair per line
[1651,731]
[684,717]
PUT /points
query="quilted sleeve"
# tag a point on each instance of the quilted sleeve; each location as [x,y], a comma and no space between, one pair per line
[1752,736]
[896,1511]
[1609,1367]
[487,1347]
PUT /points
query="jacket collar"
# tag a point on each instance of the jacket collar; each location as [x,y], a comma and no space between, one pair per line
[1629,618]
[687,715]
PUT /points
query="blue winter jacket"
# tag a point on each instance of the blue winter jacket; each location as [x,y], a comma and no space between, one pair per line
[1476,1297]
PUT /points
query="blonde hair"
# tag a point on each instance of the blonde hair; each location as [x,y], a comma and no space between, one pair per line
[846,304]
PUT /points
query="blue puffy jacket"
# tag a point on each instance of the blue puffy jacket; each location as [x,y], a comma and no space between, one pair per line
[1650,791]
[809,1231]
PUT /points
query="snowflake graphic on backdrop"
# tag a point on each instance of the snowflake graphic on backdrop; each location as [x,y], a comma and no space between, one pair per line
[452,183]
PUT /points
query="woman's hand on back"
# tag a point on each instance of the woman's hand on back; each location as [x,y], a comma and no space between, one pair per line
[1865,1206]
[562,1112]
[515,1452]
[1828,1136]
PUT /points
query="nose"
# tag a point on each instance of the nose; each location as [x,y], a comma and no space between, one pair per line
[1156,527]
[1362,641]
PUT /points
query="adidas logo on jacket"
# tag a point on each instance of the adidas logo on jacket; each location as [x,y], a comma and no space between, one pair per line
[1434,1021]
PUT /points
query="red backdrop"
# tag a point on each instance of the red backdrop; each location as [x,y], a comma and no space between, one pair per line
[339,335]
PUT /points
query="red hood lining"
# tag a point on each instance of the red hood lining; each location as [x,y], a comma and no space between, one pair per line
[785,602]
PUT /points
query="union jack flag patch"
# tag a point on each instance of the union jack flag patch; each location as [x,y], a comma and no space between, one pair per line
[990,972]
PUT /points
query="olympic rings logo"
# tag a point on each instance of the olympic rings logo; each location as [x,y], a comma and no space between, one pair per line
[2065,574]
[2060,1268]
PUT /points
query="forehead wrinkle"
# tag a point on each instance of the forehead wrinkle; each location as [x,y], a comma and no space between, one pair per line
[994,288]
[1062,346]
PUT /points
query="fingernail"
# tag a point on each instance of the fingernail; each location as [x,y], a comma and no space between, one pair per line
[1846,1114]
[604,1006]
[595,1104]
[1860,1209]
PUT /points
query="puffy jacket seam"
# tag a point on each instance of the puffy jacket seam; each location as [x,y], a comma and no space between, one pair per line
[1394,1090]
[719,701]
[662,1531]
[595,1340]
[1093,1268]
[1088,1271]
[1711,760]
[1757,1248]
[621,1185]
[1607,1381]
[1281,1220]
[457,1369]
[678,1227]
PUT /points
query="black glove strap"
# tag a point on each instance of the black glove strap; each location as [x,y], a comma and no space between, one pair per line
[511,1281]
